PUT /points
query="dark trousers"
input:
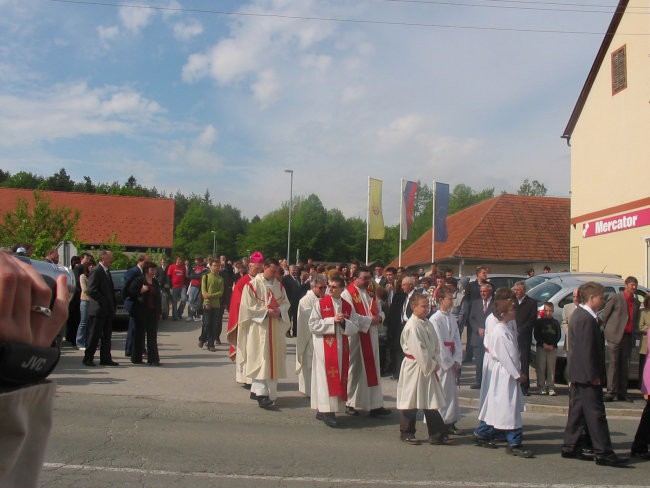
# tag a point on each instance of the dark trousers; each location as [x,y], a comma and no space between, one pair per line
[100,327]
[130,332]
[146,324]
[74,316]
[524,356]
[586,409]
[479,353]
[642,437]
[469,349]
[211,326]
[618,369]
[435,425]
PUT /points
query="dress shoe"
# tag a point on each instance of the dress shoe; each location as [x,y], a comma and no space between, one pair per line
[410,439]
[609,397]
[319,416]
[88,362]
[576,455]
[483,442]
[519,451]
[610,459]
[475,386]
[201,344]
[329,419]
[352,411]
[645,455]
[109,363]
[441,440]
[379,412]
[625,398]
[265,402]
[246,386]
[253,396]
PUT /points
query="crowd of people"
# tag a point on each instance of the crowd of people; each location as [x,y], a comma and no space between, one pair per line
[354,325]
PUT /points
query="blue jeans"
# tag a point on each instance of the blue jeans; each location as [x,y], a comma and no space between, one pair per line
[193,301]
[485,431]
[81,331]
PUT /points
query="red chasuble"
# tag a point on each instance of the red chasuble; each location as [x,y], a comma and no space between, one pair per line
[233,315]
[364,337]
[337,383]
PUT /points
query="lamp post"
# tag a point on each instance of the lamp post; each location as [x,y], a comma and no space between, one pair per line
[214,243]
[290,171]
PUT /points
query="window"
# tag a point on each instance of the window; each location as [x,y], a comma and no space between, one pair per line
[619,70]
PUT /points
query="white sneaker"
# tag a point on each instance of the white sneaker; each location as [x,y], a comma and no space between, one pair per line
[82,348]
[543,391]
[552,392]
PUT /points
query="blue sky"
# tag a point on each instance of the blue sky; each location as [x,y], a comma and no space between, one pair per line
[188,99]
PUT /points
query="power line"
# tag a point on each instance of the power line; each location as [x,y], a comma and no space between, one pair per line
[334,19]
[609,9]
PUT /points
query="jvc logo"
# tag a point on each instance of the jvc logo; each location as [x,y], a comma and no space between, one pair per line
[34,363]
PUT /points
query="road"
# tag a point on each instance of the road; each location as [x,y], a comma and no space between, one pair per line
[187,424]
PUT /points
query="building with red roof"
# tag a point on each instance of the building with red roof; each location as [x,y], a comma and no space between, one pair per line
[508,233]
[138,222]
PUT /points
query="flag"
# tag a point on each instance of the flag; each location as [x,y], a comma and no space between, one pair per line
[441,206]
[409,191]
[375,217]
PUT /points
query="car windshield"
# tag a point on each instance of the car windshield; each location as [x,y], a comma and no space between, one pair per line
[118,279]
[544,292]
[533,281]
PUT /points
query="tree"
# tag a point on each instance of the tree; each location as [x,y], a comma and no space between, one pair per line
[463,196]
[532,188]
[24,180]
[39,224]
[59,182]
[4,175]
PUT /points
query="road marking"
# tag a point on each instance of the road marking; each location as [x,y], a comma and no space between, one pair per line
[320,479]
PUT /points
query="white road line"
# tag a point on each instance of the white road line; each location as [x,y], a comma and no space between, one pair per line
[318,479]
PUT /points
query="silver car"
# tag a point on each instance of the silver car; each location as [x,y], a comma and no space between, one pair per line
[559,291]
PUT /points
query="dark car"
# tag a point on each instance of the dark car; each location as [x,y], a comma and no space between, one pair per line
[121,318]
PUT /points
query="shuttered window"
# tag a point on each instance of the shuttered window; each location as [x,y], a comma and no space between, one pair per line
[619,70]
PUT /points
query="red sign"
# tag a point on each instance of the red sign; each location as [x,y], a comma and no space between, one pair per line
[617,223]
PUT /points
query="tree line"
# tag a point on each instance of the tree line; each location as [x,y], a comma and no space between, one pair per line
[316,232]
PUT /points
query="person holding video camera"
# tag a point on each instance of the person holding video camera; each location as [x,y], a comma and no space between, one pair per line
[29,322]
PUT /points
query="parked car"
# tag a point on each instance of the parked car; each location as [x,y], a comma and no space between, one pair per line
[121,318]
[559,291]
[500,280]
[533,281]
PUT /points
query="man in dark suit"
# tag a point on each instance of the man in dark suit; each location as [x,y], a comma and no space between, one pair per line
[479,311]
[380,279]
[101,309]
[398,314]
[526,316]
[586,374]
[472,292]
[294,288]
[621,319]
[131,274]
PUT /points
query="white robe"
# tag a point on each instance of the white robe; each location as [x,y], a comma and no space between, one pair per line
[264,357]
[504,401]
[490,322]
[319,327]
[360,395]
[446,329]
[304,345]
[418,385]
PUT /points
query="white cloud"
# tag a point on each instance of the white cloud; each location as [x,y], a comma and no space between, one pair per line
[208,137]
[196,154]
[107,34]
[184,31]
[266,88]
[135,18]
[67,111]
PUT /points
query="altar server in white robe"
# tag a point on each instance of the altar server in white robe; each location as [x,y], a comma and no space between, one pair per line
[264,316]
[332,322]
[364,385]
[451,356]
[304,345]
[504,401]
[418,387]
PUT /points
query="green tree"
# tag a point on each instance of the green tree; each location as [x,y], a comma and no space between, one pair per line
[120,259]
[4,175]
[24,180]
[532,188]
[269,235]
[463,196]
[39,224]
[60,181]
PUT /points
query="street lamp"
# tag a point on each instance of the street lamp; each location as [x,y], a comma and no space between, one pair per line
[290,171]
[214,243]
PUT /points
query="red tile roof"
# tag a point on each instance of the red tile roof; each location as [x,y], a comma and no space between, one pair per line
[137,222]
[504,228]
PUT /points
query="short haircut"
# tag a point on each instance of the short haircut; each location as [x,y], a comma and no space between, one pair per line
[391,269]
[631,279]
[481,268]
[445,292]
[410,279]
[504,293]
[589,289]
[417,298]
[338,279]
[141,258]
[501,308]
[452,281]
[549,304]
[270,262]
[359,270]
[317,280]
[520,283]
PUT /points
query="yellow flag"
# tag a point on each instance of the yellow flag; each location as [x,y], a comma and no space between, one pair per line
[376,228]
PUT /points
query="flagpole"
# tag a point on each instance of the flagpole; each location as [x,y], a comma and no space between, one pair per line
[368,221]
[433,222]
[401,215]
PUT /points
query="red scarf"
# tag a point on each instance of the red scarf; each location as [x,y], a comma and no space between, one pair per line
[337,381]
[364,337]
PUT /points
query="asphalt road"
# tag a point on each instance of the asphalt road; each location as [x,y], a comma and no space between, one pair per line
[187,424]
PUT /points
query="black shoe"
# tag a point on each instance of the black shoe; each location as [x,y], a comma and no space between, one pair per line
[88,362]
[253,396]
[109,363]
[319,416]
[482,442]
[379,412]
[645,455]
[609,397]
[576,455]
[475,386]
[625,398]
[265,402]
[329,420]
[519,451]
[610,459]
[525,392]
[246,386]
[351,411]
[410,439]
[136,362]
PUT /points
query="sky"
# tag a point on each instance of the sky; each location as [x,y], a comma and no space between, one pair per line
[189,95]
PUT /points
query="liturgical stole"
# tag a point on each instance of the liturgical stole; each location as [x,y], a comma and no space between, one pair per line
[337,380]
[364,337]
